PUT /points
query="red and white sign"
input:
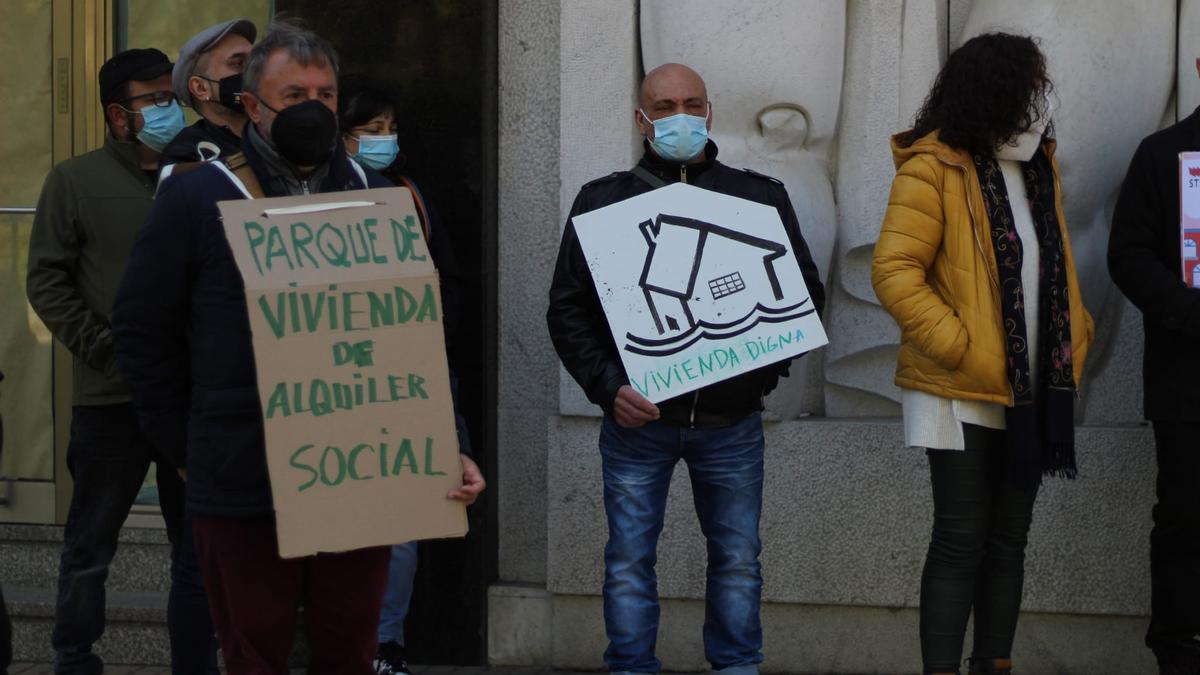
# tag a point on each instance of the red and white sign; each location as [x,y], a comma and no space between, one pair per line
[1189,217]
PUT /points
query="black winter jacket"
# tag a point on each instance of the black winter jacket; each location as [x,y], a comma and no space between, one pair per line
[1144,259]
[185,147]
[182,334]
[576,320]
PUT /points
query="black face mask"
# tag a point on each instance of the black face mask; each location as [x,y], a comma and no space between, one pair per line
[229,91]
[305,133]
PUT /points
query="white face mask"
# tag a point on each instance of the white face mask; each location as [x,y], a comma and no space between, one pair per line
[679,138]
[1024,146]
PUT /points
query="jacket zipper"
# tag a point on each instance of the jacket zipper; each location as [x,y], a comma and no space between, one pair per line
[692,416]
[974,225]
[683,173]
[978,245]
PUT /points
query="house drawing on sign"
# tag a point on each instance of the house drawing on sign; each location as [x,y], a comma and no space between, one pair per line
[698,273]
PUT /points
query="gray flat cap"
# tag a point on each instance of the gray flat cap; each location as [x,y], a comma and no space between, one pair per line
[185,65]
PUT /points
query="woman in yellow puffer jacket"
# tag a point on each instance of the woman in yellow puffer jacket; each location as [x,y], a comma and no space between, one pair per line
[974,263]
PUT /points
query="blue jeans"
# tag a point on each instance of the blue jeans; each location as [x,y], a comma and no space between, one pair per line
[726,469]
[108,457]
[398,594]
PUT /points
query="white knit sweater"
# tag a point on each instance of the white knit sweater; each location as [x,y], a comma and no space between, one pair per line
[935,422]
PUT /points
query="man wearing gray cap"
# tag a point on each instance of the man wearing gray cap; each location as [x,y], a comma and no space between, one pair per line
[208,77]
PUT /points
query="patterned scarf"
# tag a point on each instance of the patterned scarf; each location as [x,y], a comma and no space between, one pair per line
[1041,422]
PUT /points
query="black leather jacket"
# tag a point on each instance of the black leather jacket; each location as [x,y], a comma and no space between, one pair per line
[576,320]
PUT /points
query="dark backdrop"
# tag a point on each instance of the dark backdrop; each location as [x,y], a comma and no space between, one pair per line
[437,59]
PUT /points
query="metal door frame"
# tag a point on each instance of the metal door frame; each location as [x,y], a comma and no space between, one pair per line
[81,39]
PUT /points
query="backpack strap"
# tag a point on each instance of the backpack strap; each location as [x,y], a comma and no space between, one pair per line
[422,210]
[176,169]
[237,167]
[362,175]
[641,172]
[208,152]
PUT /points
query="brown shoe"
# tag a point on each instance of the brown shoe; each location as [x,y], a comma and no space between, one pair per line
[990,667]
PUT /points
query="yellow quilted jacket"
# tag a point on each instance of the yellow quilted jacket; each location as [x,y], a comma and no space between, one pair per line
[935,272]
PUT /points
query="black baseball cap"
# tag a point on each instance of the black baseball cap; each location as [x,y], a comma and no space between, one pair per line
[137,65]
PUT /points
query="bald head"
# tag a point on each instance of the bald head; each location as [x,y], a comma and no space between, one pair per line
[671,82]
[670,89]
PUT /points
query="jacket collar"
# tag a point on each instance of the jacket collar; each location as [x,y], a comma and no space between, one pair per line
[669,170]
[279,179]
[930,144]
[224,133]
[125,153]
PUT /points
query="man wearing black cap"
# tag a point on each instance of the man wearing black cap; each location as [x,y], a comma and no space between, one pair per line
[208,77]
[90,209]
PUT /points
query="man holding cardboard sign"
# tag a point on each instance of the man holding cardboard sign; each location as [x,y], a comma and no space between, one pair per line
[289,351]
[718,263]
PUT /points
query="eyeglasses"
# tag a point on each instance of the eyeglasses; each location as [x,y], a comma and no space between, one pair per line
[161,99]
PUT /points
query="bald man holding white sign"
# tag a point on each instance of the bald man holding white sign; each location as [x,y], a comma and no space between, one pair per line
[716,428]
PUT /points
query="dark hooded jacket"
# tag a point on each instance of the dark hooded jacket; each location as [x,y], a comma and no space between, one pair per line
[182,331]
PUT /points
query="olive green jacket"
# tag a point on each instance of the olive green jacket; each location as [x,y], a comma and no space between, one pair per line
[89,212]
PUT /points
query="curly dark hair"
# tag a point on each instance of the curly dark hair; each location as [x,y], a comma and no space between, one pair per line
[992,88]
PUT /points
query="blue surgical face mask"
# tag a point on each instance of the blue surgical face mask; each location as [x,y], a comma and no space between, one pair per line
[680,137]
[161,125]
[377,152]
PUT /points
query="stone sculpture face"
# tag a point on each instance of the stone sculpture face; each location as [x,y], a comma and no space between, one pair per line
[774,75]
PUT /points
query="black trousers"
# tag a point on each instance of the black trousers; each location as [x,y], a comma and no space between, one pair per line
[976,557]
[1174,633]
[108,458]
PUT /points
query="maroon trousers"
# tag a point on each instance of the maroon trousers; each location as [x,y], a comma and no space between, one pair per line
[255,596]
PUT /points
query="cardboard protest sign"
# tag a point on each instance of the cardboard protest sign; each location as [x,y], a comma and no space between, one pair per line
[697,287]
[1189,217]
[347,329]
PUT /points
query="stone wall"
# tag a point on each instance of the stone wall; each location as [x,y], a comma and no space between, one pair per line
[847,511]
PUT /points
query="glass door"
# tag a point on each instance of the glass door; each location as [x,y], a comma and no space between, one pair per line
[37,64]
[436,58]
[50,55]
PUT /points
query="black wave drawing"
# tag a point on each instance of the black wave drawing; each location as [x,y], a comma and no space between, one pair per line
[705,330]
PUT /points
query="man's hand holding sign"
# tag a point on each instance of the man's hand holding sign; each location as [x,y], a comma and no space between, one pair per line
[683,289]
[631,409]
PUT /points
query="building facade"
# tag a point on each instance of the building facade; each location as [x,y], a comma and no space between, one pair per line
[509,107]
